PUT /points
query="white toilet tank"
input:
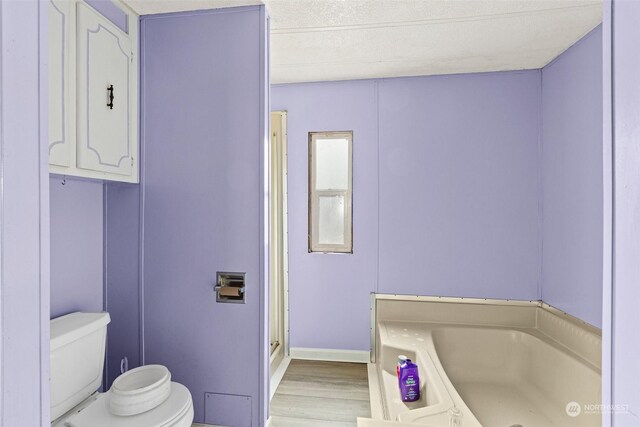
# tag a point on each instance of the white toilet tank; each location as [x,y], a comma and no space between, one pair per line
[77,358]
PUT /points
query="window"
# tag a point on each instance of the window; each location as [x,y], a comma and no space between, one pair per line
[330,192]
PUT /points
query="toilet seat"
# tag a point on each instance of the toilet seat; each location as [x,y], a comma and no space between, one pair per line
[176,411]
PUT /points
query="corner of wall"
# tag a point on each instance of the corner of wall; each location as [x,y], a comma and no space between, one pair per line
[540,183]
[607,267]
[376,89]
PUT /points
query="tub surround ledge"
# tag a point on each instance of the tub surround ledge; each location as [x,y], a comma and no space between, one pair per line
[532,358]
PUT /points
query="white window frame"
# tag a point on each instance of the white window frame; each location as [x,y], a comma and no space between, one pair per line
[314,196]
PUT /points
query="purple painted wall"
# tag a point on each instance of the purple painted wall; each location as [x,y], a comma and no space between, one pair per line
[445,195]
[202,203]
[76,245]
[572,191]
[122,276]
[626,212]
[330,292]
[607,208]
[459,185]
[24,215]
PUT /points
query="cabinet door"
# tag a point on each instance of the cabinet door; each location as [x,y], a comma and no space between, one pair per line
[104,65]
[61,87]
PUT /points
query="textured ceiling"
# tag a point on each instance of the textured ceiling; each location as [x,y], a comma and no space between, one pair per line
[316,40]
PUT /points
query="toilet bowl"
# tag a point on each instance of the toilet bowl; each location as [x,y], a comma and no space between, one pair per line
[140,390]
[142,397]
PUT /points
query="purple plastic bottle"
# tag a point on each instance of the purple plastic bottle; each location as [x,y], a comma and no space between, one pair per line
[401,359]
[409,381]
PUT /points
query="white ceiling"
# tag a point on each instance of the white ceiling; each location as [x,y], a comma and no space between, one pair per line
[317,40]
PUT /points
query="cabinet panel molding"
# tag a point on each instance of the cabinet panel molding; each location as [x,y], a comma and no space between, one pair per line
[60,110]
[104,53]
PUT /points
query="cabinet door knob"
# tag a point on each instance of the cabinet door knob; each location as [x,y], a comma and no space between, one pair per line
[110,96]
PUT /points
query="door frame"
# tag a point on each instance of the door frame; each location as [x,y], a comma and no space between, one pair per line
[277,367]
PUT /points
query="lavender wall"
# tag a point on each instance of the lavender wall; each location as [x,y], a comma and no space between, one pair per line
[329,293]
[572,193]
[445,195]
[459,185]
[121,276]
[626,212]
[24,215]
[204,98]
[76,245]
[607,209]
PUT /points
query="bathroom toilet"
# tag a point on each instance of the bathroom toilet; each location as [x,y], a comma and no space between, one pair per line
[142,397]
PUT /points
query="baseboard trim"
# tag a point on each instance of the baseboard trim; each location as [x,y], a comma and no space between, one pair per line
[329,355]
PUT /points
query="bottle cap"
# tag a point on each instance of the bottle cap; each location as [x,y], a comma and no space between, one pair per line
[402,358]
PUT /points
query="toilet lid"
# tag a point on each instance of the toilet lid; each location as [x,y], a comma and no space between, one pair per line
[170,412]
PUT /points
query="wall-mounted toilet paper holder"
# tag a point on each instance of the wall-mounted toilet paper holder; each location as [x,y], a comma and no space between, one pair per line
[230,287]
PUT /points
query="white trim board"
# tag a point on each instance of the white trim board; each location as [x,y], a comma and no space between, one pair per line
[375,393]
[329,355]
[276,376]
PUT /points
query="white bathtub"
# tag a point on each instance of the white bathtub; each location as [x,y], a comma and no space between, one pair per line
[486,363]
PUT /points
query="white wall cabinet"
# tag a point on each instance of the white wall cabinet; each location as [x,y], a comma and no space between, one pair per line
[93,102]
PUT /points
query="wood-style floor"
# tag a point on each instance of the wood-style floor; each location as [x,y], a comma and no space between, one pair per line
[321,394]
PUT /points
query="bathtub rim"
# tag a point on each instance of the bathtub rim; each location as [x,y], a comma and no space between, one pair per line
[537,306]
[575,335]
